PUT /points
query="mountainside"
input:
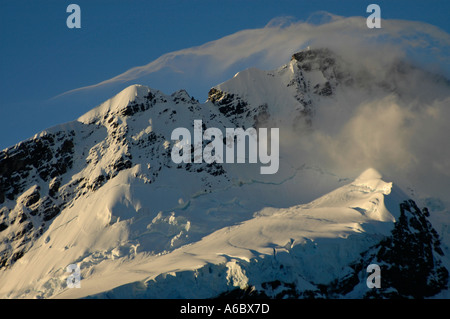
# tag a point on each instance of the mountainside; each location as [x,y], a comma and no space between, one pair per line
[103,192]
[311,250]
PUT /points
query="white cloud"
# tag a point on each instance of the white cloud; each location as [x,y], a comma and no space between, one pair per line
[272,46]
[406,137]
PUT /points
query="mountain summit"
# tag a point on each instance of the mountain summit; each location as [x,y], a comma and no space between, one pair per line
[103,193]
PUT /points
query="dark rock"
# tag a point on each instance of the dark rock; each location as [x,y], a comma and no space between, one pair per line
[409,260]
[32,199]
[3,226]
[50,213]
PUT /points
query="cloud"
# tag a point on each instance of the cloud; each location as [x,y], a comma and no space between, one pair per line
[403,135]
[272,46]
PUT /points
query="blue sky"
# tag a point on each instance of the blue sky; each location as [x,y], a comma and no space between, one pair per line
[40,58]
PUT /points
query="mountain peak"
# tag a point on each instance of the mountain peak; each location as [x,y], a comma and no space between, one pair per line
[105,193]
[312,54]
[372,179]
[312,59]
[117,103]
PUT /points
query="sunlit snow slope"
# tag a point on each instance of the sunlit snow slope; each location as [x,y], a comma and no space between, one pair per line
[102,192]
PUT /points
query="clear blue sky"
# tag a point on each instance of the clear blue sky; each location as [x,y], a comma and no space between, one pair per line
[40,57]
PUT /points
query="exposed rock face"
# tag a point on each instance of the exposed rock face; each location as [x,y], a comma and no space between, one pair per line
[410,261]
[43,159]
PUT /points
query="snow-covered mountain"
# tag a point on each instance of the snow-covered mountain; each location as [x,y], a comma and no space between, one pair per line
[102,192]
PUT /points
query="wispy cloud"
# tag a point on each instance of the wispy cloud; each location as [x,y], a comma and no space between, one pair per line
[272,46]
[406,138]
